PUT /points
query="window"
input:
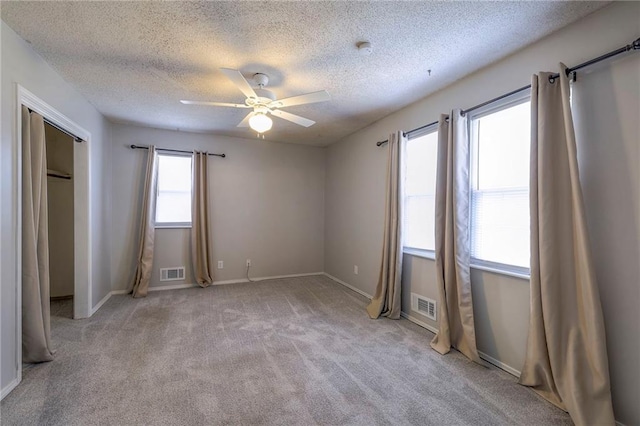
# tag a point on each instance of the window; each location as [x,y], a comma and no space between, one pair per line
[500,141]
[173,202]
[420,190]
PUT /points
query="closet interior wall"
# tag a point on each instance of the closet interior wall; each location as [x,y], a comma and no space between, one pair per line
[60,212]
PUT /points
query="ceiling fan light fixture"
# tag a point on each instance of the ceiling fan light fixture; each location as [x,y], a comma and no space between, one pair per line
[260,122]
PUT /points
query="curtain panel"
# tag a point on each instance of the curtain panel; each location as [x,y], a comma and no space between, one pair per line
[36,326]
[387,299]
[452,239]
[566,358]
[147,228]
[200,236]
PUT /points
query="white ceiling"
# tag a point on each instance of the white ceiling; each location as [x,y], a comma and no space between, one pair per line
[135,60]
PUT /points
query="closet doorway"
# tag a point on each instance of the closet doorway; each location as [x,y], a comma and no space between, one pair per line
[59,146]
[71,266]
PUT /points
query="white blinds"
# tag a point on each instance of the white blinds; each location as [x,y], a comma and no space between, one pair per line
[500,223]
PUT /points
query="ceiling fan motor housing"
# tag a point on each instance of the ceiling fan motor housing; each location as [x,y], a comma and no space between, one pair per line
[261,80]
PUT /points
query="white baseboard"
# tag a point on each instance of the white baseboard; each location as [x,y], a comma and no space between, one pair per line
[349,286]
[172,287]
[100,303]
[224,282]
[11,386]
[501,365]
[275,277]
[419,322]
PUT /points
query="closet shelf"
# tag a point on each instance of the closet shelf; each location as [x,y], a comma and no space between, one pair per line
[58,174]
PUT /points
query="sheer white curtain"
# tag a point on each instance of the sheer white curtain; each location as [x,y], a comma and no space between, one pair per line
[455,318]
[387,300]
[200,237]
[147,227]
[36,329]
[566,359]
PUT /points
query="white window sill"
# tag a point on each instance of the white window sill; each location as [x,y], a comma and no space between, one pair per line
[425,254]
[500,271]
[428,254]
[173,226]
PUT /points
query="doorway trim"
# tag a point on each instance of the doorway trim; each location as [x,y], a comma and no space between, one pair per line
[81,210]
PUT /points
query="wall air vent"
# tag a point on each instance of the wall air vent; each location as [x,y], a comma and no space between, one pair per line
[172,274]
[424,305]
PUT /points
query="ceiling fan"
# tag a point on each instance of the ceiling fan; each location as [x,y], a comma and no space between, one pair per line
[264,102]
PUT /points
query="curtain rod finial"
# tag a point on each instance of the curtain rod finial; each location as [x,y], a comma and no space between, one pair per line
[636,44]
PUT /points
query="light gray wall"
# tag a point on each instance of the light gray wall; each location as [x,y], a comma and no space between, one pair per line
[607,110]
[60,211]
[20,64]
[354,198]
[267,205]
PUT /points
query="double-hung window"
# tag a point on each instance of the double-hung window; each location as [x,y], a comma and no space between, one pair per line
[500,142]
[173,202]
[420,191]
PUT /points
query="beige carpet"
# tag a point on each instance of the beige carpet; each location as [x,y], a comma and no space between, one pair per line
[282,352]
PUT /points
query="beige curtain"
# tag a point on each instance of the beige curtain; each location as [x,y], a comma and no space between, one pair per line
[36,330]
[200,241]
[566,358]
[386,301]
[455,318]
[147,227]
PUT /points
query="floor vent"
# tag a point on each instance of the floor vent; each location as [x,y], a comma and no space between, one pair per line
[424,306]
[172,274]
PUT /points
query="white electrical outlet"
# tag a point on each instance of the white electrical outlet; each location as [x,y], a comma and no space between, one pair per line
[220,264]
[248,263]
[355,269]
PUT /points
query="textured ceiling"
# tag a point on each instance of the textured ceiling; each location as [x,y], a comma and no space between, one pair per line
[135,60]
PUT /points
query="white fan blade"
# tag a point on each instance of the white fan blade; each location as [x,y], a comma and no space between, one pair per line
[309,98]
[245,121]
[239,80]
[293,118]
[222,104]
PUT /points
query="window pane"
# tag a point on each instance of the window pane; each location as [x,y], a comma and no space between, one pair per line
[500,190]
[174,173]
[503,148]
[173,204]
[420,189]
[421,164]
[173,207]
[500,226]
[419,221]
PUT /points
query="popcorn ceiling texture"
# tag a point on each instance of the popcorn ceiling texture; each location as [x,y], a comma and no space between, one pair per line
[135,60]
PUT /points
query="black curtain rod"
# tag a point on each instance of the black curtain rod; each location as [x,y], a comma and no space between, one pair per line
[174,150]
[635,45]
[417,129]
[52,124]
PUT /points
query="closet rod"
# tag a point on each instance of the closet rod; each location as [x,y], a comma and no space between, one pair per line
[52,124]
[174,150]
[58,176]
[635,45]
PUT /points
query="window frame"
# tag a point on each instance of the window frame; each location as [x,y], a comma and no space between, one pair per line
[170,225]
[492,108]
[415,251]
